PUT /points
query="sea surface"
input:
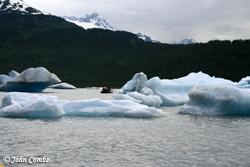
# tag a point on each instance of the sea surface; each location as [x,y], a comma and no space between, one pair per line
[172,141]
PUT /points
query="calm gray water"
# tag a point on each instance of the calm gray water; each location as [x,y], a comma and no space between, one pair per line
[171,141]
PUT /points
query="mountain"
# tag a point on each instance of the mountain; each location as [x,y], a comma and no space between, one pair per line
[94,20]
[99,57]
[17,6]
[89,21]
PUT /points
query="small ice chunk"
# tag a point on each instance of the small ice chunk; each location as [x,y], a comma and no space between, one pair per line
[244,82]
[62,86]
[13,74]
[4,79]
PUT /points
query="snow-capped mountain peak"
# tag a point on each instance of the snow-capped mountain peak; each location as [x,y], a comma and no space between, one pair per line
[94,20]
[89,21]
[17,6]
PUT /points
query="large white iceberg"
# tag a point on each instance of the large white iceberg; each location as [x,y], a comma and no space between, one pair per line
[25,105]
[172,92]
[42,106]
[218,100]
[177,89]
[39,74]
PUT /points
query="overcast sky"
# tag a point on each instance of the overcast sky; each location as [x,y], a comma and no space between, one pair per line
[164,20]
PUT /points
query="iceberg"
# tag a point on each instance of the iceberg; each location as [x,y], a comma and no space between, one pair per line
[25,105]
[177,89]
[10,77]
[146,91]
[109,108]
[218,100]
[4,79]
[244,82]
[149,100]
[30,80]
[135,84]
[171,92]
[13,74]
[39,74]
[62,86]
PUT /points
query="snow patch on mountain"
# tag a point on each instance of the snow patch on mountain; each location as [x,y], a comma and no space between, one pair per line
[17,6]
[146,38]
[89,21]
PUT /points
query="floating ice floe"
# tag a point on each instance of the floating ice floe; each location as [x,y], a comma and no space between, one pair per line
[149,100]
[39,74]
[26,105]
[171,92]
[218,100]
[62,86]
[30,80]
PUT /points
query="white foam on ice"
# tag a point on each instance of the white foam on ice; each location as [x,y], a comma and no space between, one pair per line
[39,74]
[41,106]
[218,100]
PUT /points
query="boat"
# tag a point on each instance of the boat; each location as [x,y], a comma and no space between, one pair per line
[106,90]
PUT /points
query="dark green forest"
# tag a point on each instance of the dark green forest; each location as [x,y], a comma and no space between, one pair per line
[101,57]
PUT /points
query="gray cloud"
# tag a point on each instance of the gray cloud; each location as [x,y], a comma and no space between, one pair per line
[164,20]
